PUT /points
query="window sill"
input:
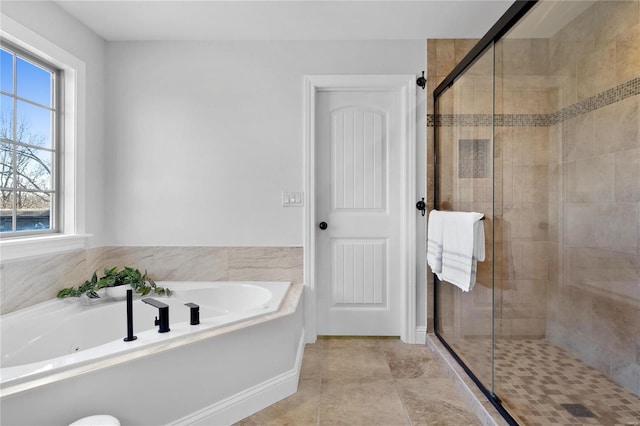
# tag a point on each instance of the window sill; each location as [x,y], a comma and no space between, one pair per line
[20,248]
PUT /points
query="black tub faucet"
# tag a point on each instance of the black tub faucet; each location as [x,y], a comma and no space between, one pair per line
[163,309]
[130,337]
[195,313]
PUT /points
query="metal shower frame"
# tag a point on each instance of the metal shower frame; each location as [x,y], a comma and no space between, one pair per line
[499,29]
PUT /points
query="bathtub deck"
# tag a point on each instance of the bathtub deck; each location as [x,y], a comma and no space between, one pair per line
[193,365]
[288,307]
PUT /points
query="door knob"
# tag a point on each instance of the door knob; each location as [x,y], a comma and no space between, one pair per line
[323,225]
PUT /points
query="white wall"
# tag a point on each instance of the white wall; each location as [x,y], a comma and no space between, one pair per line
[54,24]
[202,137]
[191,143]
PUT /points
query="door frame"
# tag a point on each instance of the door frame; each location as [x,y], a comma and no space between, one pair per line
[405,84]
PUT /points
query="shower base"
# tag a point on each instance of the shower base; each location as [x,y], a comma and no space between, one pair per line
[540,384]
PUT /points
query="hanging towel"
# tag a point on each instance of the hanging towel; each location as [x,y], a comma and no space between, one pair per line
[434,241]
[462,247]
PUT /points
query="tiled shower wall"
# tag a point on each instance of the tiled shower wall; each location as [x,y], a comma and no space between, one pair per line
[442,56]
[30,281]
[521,186]
[567,173]
[594,172]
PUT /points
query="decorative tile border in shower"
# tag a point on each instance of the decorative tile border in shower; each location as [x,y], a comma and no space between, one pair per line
[522,120]
[488,120]
[603,99]
[460,120]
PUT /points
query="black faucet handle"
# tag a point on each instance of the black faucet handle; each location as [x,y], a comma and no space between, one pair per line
[195,313]
[163,309]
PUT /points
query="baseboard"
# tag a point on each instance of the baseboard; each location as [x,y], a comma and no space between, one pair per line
[421,335]
[249,401]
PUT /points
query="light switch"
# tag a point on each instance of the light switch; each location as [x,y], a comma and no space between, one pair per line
[292,199]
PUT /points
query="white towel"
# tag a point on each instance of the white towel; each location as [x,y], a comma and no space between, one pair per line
[462,247]
[434,241]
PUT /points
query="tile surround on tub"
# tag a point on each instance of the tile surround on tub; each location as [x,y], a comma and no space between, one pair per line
[212,263]
[135,257]
[27,282]
[96,259]
[173,263]
[191,263]
[268,263]
[34,280]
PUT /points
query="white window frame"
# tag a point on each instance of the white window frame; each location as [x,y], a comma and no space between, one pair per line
[55,92]
[71,147]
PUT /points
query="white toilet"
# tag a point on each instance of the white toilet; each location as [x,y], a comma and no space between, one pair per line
[97,420]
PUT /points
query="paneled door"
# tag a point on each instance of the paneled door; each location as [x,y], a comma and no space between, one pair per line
[359,185]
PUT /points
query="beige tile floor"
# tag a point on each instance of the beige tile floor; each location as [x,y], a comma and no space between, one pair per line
[536,381]
[369,381]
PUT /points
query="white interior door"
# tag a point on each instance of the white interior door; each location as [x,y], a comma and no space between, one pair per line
[358,195]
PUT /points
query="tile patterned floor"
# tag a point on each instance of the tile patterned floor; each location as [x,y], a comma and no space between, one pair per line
[369,381]
[539,383]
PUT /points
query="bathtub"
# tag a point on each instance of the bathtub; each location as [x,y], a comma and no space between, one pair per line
[69,357]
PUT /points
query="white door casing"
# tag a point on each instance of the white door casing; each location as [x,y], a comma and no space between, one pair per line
[349,244]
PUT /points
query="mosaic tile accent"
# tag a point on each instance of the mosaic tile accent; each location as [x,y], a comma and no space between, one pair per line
[473,158]
[542,385]
[461,120]
[522,120]
[608,97]
[601,100]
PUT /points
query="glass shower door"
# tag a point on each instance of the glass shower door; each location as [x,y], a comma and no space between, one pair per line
[464,182]
[524,180]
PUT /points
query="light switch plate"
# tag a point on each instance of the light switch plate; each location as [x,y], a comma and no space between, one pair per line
[292,199]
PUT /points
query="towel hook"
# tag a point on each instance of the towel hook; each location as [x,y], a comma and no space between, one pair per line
[422,206]
[422,82]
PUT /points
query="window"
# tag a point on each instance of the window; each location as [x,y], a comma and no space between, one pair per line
[29,112]
[66,191]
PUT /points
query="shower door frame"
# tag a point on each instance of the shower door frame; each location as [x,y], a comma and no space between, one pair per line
[512,16]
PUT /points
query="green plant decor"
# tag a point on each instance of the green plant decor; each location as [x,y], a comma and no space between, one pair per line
[113,277]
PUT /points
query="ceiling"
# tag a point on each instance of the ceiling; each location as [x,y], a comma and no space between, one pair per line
[120,20]
[549,17]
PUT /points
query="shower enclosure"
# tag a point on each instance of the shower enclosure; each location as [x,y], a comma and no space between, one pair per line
[539,129]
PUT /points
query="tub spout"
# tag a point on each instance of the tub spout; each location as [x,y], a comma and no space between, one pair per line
[130,337]
[163,309]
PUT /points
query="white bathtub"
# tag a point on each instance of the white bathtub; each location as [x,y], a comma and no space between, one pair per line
[49,346]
